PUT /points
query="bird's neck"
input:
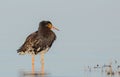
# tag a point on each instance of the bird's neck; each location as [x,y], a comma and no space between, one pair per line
[44,31]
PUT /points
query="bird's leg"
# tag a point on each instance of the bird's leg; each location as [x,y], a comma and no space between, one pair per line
[42,62]
[33,60]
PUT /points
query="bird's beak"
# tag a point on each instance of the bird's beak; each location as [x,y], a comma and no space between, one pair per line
[55,28]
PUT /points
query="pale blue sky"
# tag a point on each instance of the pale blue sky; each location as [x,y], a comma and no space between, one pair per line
[89,33]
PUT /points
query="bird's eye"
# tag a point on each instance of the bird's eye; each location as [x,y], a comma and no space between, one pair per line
[49,26]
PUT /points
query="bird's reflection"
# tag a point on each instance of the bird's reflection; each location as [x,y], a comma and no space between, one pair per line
[31,74]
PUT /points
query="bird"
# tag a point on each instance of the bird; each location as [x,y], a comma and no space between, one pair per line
[39,41]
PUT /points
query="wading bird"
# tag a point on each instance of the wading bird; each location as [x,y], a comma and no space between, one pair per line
[39,41]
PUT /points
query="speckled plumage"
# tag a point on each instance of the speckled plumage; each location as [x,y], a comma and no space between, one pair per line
[39,41]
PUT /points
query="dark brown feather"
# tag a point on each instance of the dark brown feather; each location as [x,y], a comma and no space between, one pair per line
[38,41]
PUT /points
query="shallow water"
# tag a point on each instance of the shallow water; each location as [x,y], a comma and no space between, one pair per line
[81,74]
[12,65]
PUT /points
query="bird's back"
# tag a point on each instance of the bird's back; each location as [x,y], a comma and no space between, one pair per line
[38,41]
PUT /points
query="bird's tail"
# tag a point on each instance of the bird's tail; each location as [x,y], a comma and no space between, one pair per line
[20,52]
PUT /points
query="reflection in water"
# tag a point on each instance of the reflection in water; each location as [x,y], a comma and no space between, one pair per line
[40,73]
[31,74]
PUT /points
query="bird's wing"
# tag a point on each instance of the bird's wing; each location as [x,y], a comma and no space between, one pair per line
[35,43]
[31,36]
[28,46]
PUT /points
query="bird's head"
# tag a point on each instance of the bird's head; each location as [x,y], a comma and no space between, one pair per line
[47,24]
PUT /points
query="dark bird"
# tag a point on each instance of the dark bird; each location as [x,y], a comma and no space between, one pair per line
[39,41]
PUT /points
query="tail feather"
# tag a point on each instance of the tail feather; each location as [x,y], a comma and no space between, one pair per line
[23,51]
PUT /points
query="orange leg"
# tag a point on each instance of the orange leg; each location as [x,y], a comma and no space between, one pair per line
[33,68]
[42,63]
